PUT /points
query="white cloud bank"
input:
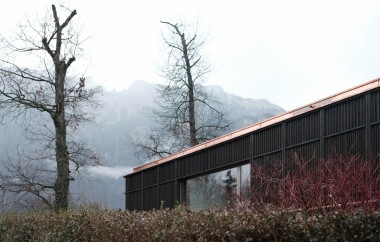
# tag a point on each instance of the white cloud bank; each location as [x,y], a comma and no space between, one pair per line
[115,172]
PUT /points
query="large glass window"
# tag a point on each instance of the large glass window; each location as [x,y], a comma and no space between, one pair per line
[244,187]
[218,190]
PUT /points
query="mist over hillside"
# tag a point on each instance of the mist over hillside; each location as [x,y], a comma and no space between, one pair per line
[127,111]
[124,113]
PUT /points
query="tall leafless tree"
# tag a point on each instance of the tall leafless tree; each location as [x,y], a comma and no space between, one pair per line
[35,78]
[187,114]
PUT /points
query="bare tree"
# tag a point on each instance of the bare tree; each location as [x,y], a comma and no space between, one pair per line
[187,114]
[35,78]
[24,179]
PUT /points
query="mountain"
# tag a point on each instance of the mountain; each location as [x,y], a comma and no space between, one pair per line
[122,114]
[244,111]
[126,111]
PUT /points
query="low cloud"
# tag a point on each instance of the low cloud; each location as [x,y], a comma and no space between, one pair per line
[112,172]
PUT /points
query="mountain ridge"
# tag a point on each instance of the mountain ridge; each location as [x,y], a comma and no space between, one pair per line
[128,110]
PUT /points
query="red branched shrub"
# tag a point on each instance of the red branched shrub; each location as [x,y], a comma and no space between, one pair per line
[340,183]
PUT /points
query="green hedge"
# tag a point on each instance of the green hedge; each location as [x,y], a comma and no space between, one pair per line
[239,224]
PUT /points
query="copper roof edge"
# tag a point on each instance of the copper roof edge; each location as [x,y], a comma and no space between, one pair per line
[267,122]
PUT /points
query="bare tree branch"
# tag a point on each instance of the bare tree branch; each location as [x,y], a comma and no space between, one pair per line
[47,88]
[186,114]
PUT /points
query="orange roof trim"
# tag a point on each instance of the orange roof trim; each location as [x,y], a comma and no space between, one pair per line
[295,112]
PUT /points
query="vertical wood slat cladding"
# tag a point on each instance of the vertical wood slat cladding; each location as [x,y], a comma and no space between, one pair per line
[191,165]
[345,144]
[134,200]
[215,157]
[375,140]
[150,177]
[135,182]
[167,172]
[224,154]
[345,115]
[266,141]
[166,194]
[305,152]
[266,160]
[340,128]
[303,129]
[375,107]
[150,198]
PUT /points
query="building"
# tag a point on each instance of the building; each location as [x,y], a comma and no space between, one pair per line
[348,122]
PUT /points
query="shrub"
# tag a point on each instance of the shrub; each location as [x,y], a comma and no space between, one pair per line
[328,185]
[237,224]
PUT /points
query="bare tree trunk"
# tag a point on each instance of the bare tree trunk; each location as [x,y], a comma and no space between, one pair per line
[190,84]
[193,131]
[187,114]
[48,90]
[61,187]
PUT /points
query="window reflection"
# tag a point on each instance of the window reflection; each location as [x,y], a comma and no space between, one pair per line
[245,182]
[218,190]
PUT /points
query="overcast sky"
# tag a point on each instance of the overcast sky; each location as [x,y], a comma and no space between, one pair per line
[289,52]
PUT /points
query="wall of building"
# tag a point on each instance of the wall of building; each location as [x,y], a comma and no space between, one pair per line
[350,126]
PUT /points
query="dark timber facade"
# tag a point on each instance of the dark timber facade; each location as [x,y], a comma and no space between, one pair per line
[346,123]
